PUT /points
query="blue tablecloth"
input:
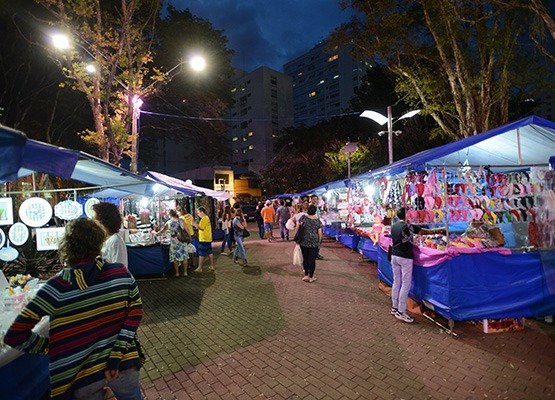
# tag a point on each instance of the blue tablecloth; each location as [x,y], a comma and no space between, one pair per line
[25,378]
[488,285]
[148,260]
[367,248]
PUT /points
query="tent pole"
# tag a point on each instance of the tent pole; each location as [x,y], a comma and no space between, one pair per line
[446,204]
[518,146]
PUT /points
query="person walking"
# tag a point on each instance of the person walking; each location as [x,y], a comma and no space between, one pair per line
[283,214]
[114,249]
[178,249]
[310,241]
[402,235]
[188,219]
[268,215]
[94,309]
[205,240]
[259,219]
[226,227]
[239,225]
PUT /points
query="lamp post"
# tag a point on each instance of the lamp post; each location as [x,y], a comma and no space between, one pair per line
[381,119]
[197,63]
[349,148]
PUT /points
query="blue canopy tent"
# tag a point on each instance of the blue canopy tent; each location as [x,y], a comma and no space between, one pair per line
[23,156]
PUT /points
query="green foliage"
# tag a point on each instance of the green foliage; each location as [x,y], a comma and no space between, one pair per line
[460,61]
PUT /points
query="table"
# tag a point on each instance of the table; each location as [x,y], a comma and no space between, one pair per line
[149,260]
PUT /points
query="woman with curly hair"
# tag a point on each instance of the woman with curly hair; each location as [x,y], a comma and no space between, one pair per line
[114,249]
[94,311]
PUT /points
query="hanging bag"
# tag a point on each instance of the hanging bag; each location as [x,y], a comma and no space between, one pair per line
[182,235]
[297,256]
[300,231]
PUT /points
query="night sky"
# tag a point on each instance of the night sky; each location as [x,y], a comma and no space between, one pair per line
[269,32]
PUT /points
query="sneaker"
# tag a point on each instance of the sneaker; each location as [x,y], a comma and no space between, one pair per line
[224,253]
[404,317]
[306,279]
[319,257]
[312,280]
[394,311]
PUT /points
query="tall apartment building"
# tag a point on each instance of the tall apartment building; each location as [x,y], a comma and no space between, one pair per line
[262,108]
[323,83]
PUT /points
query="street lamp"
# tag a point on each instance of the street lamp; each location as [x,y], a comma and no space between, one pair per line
[381,119]
[349,148]
[197,63]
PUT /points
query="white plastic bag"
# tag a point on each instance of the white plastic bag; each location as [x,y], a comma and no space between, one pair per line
[297,256]
[290,224]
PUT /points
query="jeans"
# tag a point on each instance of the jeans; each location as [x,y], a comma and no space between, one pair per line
[283,231]
[402,280]
[240,249]
[227,240]
[261,230]
[309,260]
[126,387]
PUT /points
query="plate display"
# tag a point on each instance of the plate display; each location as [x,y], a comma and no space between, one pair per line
[49,238]
[8,253]
[68,210]
[2,237]
[6,211]
[35,212]
[18,234]
[88,207]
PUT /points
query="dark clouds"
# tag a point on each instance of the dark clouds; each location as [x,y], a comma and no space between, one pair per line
[268,32]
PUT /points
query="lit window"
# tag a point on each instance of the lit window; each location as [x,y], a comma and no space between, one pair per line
[312,94]
[335,76]
[244,138]
[233,90]
[235,138]
[334,57]
[251,147]
[300,73]
[322,81]
[250,133]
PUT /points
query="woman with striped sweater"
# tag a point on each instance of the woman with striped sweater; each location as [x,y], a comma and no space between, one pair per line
[94,310]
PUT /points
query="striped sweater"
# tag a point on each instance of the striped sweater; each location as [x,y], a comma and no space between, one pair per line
[95,310]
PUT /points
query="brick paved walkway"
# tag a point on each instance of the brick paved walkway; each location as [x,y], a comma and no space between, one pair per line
[262,333]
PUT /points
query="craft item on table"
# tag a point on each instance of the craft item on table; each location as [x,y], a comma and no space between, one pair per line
[6,211]
[89,211]
[35,212]
[131,222]
[68,210]
[18,233]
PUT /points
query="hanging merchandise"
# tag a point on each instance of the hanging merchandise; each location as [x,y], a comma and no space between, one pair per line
[68,210]
[2,237]
[18,234]
[35,212]
[8,253]
[6,211]
[89,212]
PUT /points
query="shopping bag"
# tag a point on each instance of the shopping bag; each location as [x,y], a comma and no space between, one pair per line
[290,224]
[297,256]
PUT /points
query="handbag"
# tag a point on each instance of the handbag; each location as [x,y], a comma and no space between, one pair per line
[389,252]
[290,224]
[300,233]
[246,233]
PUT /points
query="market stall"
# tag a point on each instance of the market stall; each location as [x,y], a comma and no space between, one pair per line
[495,195]
[32,220]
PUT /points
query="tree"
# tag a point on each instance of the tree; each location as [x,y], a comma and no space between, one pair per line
[194,103]
[458,60]
[117,40]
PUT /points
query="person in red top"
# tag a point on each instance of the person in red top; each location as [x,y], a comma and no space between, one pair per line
[268,214]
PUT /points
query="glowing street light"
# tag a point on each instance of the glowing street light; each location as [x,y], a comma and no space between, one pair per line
[60,41]
[382,119]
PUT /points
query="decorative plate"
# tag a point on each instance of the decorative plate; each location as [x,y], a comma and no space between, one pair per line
[68,209]
[8,253]
[35,212]
[49,238]
[2,237]
[18,234]
[6,211]
[88,207]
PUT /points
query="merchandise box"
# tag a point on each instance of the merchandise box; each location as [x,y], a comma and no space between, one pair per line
[499,325]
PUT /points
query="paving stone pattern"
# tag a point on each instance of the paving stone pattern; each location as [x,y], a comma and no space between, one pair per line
[262,333]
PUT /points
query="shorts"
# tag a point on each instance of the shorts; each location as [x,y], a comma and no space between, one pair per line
[204,248]
[268,226]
